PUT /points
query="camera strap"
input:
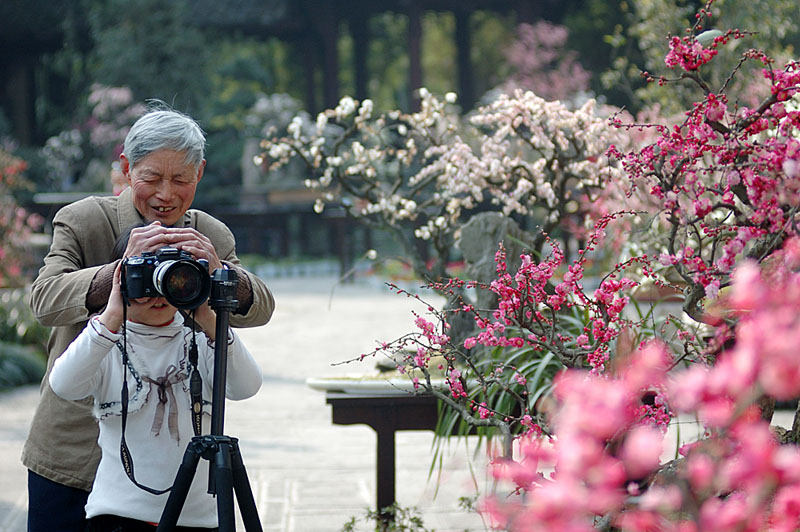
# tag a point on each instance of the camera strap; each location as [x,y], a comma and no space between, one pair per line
[195,387]
[195,390]
[124,453]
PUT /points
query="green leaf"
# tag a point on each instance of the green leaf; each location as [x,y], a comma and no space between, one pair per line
[707,37]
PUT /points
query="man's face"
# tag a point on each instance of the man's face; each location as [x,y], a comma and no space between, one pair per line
[163,185]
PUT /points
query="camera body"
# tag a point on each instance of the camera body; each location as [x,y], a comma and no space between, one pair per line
[168,272]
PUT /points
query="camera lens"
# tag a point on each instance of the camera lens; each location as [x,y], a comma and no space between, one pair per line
[183,283]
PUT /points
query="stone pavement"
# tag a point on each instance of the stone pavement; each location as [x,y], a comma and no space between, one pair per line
[306,473]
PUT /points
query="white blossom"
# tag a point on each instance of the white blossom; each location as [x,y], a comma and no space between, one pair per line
[295,129]
[322,121]
[346,107]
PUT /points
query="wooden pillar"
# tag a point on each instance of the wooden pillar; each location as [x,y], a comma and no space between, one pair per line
[18,95]
[306,47]
[326,20]
[528,11]
[463,49]
[360,33]
[414,55]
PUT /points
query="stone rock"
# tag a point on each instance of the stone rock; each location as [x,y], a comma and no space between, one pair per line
[479,241]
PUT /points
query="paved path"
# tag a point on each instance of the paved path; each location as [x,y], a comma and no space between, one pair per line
[307,474]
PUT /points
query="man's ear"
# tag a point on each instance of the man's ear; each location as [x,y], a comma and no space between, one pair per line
[200,170]
[125,167]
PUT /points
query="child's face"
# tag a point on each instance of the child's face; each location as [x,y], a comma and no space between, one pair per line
[153,311]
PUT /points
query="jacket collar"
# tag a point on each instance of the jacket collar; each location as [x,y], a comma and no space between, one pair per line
[127,214]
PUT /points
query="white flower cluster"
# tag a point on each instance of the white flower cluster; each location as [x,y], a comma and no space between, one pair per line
[519,153]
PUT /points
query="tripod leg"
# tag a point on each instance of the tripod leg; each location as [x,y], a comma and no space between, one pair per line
[223,479]
[177,497]
[244,494]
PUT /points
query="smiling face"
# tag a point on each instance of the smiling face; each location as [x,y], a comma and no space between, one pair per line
[153,311]
[163,184]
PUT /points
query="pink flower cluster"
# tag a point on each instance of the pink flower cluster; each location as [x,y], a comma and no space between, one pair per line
[602,456]
[530,299]
[601,446]
[722,179]
[764,358]
[688,53]
[786,82]
[542,64]
[16,223]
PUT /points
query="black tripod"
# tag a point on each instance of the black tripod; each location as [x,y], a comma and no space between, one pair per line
[226,472]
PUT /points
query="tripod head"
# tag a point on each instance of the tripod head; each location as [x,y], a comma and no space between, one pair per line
[223,290]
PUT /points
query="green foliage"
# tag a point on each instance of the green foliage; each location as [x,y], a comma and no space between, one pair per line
[147,45]
[597,29]
[387,61]
[439,72]
[18,324]
[538,367]
[22,341]
[491,34]
[242,71]
[649,22]
[19,365]
[403,520]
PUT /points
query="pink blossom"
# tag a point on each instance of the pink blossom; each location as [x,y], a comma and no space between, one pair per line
[702,207]
[716,108]
[785,513]
[641,451]
[700,471]
[687,53]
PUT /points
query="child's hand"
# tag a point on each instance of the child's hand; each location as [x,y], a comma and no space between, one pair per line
[112,315]
[205,316]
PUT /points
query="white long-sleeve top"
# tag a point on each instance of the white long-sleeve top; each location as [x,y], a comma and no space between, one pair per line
[92,366]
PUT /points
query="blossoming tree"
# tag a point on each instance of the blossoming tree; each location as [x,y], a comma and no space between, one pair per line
[721,223]
[421,175]
[727,179]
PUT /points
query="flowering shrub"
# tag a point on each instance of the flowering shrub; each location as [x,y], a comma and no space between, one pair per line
[541,63]
[720,188]
[83,156]
[421,175]
[545,320]
[16,224]
[727,176]
[727,179]
[606,449]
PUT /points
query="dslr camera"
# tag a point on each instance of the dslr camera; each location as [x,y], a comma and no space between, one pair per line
[169,272]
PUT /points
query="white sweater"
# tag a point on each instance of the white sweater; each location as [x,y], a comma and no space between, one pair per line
[92,366]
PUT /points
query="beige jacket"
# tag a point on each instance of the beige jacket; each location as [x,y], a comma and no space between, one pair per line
[62,443]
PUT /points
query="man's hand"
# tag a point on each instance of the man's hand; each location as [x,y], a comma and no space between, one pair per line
[155,236]
[196,243]
[148,238]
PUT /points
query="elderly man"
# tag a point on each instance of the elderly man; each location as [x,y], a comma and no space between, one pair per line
[163,161]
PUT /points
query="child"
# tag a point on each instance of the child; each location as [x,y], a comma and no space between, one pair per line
[159,422]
